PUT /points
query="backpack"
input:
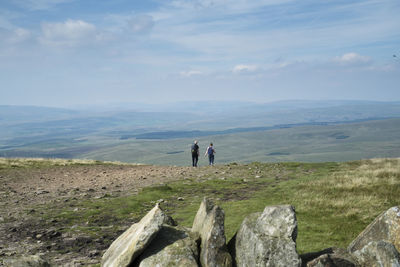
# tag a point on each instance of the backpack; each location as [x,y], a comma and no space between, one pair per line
[195,148]
[210,150]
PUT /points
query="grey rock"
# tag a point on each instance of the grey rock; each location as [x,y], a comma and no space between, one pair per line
[26,261]
[133,241]
[377,254]
[267,239]
[385,227]
[173,246]
[209,225]
[332,257]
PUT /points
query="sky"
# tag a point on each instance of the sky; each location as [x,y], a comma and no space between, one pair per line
[64,53]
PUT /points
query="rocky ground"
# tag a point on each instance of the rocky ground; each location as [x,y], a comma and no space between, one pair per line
[22,190]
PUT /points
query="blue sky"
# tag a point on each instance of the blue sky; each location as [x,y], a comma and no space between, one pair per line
[69,52]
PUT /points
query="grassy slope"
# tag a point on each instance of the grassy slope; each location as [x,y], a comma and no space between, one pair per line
[334,201]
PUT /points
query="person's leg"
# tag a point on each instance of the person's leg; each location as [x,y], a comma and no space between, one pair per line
[212,159]
[193,160]
[196,159]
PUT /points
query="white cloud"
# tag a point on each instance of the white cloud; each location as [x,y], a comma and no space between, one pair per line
[70,33]
[190,73]
[141,23]
[244,68]
[351,58]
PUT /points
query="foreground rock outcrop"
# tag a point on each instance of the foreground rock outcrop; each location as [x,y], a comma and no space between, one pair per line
[133,241]
[379,243]
[385,227]
[330,257]
[378,253]
[174,246]
[267,239]
[209,224]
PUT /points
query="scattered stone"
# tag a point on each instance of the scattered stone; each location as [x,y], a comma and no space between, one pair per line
[209,224]
[42,192]
[385,227]
[133,241]
[267,238]
[181,199]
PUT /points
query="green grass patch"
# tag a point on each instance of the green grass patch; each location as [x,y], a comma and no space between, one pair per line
[334,201]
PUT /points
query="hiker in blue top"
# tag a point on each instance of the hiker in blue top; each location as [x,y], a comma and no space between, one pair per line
[210,151]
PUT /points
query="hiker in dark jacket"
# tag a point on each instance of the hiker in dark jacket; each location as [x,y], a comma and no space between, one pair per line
[210,151]
[195,154]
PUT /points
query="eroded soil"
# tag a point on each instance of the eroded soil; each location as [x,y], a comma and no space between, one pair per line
[23,230]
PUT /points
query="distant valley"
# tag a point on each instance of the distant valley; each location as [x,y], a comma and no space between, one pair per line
[242,132]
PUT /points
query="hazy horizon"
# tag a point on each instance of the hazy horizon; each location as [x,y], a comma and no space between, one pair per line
[65,53]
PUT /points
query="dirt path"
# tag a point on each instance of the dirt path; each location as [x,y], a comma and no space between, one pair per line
[24,188]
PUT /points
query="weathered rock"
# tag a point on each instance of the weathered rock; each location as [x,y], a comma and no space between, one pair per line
[385,227]
[332,257]
[378,253]
[133,241]
[209,224]
[26,261]
[268,238]
[173,246]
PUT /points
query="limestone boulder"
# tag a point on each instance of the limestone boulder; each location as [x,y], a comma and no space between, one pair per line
[209,225]
[332,257]
[267,239]
[385,227]
[378,253]
[173,246]
[133,241]
[26,261]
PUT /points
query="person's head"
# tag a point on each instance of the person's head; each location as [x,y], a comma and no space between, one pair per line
[195,141]
[211,144]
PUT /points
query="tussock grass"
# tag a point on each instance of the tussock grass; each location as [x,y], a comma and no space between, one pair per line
[346,201]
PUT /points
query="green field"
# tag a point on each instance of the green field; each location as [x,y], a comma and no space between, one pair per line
[343,142]
[276,132]
[305,144]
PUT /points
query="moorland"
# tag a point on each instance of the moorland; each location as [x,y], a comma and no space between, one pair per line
[69,211]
